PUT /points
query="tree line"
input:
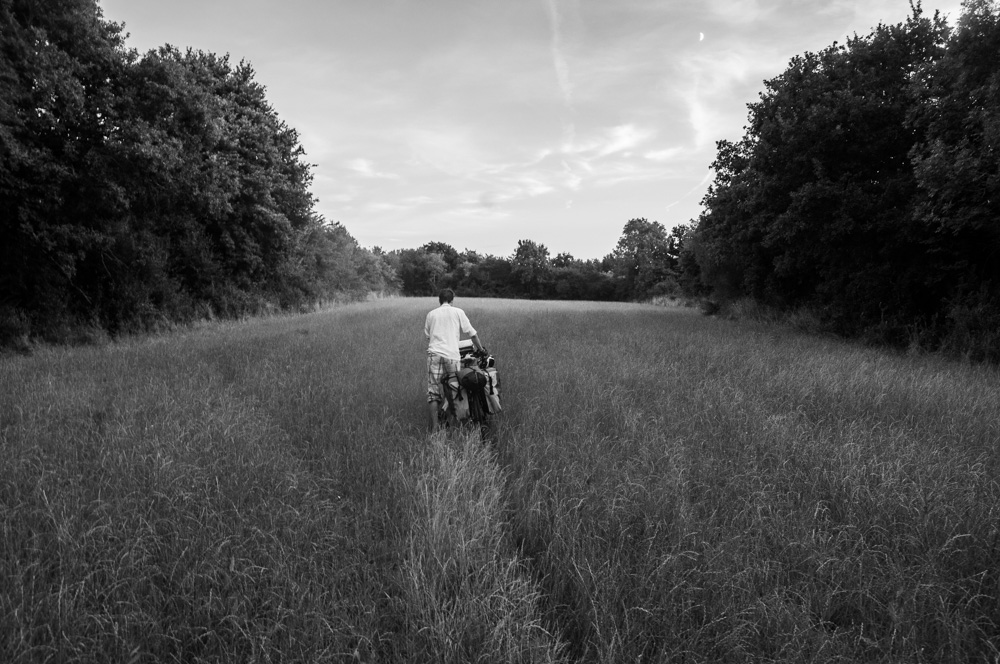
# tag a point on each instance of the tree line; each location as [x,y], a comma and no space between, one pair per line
[644,264]
[866,188]
[138,190]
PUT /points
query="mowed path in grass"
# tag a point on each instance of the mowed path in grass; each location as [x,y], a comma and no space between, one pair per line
[664,486]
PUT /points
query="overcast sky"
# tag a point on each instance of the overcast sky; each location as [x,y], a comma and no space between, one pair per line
[482,122]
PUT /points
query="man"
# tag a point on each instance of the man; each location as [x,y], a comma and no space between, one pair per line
[444,328]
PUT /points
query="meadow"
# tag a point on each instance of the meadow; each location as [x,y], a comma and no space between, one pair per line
[663,487]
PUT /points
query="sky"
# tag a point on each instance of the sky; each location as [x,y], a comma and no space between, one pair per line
[483,122]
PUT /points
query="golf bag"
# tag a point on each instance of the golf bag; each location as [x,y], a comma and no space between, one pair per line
[472,394]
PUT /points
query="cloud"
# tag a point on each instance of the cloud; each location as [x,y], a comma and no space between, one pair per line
[663,155]
[738,12]
[558,56]
[515,186]
[386,207]
[700,186]
[715,86]
[488,199]
[604,157]
[609,141]
[624,137]
[339,197]
[453,150]
[533,186]
[570,179]
[367,169]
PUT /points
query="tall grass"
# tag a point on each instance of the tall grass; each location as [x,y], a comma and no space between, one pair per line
[157,506]
[703,490]
[467,597]
[664,487]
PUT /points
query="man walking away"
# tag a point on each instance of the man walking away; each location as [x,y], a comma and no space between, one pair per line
[444,328]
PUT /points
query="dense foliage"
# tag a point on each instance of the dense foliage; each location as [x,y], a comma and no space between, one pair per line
[867,189]
[140,190]
[647,262]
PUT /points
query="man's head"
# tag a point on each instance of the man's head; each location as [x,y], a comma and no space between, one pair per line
[446,295]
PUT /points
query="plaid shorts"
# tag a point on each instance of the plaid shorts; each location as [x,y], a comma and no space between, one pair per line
[437,367]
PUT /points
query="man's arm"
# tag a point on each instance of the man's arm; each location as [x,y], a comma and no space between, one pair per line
[465,327]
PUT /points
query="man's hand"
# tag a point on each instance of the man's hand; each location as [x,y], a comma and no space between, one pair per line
[478,344]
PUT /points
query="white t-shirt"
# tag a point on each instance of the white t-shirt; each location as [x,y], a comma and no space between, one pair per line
[444,328]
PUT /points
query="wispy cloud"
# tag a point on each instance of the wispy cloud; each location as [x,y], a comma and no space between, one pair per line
[611,140]
[692,191]
[386,206]
[710,84]
[663,155]
[452,150]
[558,56]
[739,12]
[366,168]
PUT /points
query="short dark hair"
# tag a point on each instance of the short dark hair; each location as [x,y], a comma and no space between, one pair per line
[446,295]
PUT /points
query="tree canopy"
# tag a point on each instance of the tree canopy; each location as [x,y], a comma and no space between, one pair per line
[140,190]
[865,186]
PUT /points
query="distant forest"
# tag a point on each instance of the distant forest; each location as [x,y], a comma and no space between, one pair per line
[139,191]
[645,263]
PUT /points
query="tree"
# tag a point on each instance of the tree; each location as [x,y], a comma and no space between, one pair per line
[58,62]
[488,276]
[642,258]
[214,178]
[563,260]
[420,271]
[375,274]
[135,191]
[957,167]
[530,267]
[574,279]
[813,207]
[683,247]
[446,251]
[957,164]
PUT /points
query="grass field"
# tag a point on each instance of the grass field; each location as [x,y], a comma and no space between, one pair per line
[664,487]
